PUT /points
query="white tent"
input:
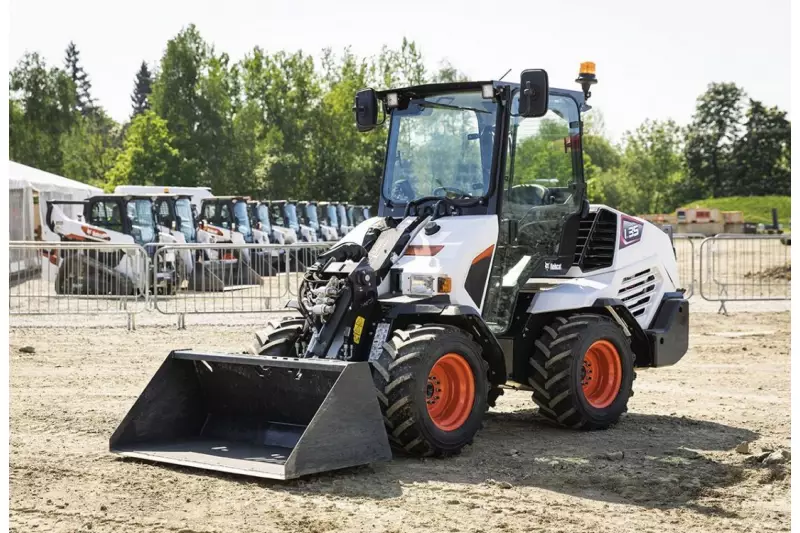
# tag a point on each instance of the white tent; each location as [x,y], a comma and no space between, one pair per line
[29,189]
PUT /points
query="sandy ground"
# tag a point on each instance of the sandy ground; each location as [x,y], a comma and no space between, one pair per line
[679,471]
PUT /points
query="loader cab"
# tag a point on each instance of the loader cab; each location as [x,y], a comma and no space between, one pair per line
[129,215]
[259,216]
[308,216]
[278,214]
[290,215]
[356,214]
[329,215]
[285,214]
[341,212]
[227,212]
[489,148]
[174,212]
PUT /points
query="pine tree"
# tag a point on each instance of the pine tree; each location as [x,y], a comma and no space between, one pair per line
[142,88]
[83,87]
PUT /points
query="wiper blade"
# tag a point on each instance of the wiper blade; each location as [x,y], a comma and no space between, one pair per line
[425,103]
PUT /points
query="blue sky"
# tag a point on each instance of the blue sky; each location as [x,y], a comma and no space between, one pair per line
[653,58]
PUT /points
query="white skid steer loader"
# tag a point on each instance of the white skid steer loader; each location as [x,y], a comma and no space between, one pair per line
[309,216]
[224,220]
[344,220]
[114,219]
[475,276]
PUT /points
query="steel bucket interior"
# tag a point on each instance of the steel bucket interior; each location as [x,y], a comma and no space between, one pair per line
[258,416]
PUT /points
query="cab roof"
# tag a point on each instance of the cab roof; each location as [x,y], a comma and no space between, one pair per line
[428,89]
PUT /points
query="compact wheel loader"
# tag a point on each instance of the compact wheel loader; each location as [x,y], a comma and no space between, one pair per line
[486,269]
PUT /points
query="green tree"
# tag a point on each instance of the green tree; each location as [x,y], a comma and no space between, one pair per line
[343,160]
[604,155]
[284,87]
[148,157]
[447,73]
[763,153]
[196,93]
[90,148]
[710,142]
[653,166]
[83,86]
[397,68]
[142,87]
[42,100]
[174,99]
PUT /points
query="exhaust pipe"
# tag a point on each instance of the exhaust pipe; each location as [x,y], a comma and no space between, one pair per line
[269,417]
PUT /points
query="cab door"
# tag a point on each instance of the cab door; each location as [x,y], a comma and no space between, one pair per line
[543,197]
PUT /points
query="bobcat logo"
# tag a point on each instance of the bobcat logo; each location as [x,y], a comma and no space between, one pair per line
[552,266]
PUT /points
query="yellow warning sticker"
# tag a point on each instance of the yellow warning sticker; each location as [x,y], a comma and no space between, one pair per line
[359,325]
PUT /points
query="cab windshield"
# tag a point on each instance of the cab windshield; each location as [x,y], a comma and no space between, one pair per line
[183,209]
[143,224]
[440,145]
[311,215]
[342,212]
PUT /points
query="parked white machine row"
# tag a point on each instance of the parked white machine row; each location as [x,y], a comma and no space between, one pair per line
[149,216]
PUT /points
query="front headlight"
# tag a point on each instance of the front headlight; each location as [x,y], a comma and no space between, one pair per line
[425,285]
[421,285]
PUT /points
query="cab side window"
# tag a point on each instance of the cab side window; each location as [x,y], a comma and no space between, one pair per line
[225,215]
[209,210]
[106,215]
[163,213]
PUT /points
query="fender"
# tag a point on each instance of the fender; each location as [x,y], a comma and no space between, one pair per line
[438,309]
[670,323]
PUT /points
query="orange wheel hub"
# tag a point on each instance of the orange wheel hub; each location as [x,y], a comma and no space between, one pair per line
[601,376]
[450,392]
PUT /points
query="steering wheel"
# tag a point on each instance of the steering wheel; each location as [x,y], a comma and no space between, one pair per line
[442,191]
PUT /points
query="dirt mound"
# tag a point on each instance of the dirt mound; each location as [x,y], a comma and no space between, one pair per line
[783,272]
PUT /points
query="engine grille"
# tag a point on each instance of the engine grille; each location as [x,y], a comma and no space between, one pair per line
[638,290]
[597,237]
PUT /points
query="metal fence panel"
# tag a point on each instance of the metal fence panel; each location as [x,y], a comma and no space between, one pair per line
[80,279]
[686,256]
[745,268]
[233,278]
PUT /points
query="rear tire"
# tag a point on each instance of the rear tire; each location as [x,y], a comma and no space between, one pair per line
[279,338]
[581,372]
[432,388]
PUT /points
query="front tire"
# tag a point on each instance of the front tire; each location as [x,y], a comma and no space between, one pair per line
[280,338]
[432,387]
[581,372]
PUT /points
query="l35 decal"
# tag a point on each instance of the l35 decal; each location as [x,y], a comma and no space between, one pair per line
[630,231]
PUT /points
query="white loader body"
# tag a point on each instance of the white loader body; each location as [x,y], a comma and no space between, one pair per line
[644,267]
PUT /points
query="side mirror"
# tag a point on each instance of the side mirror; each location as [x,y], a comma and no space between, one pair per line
[366,109]
[533,95]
